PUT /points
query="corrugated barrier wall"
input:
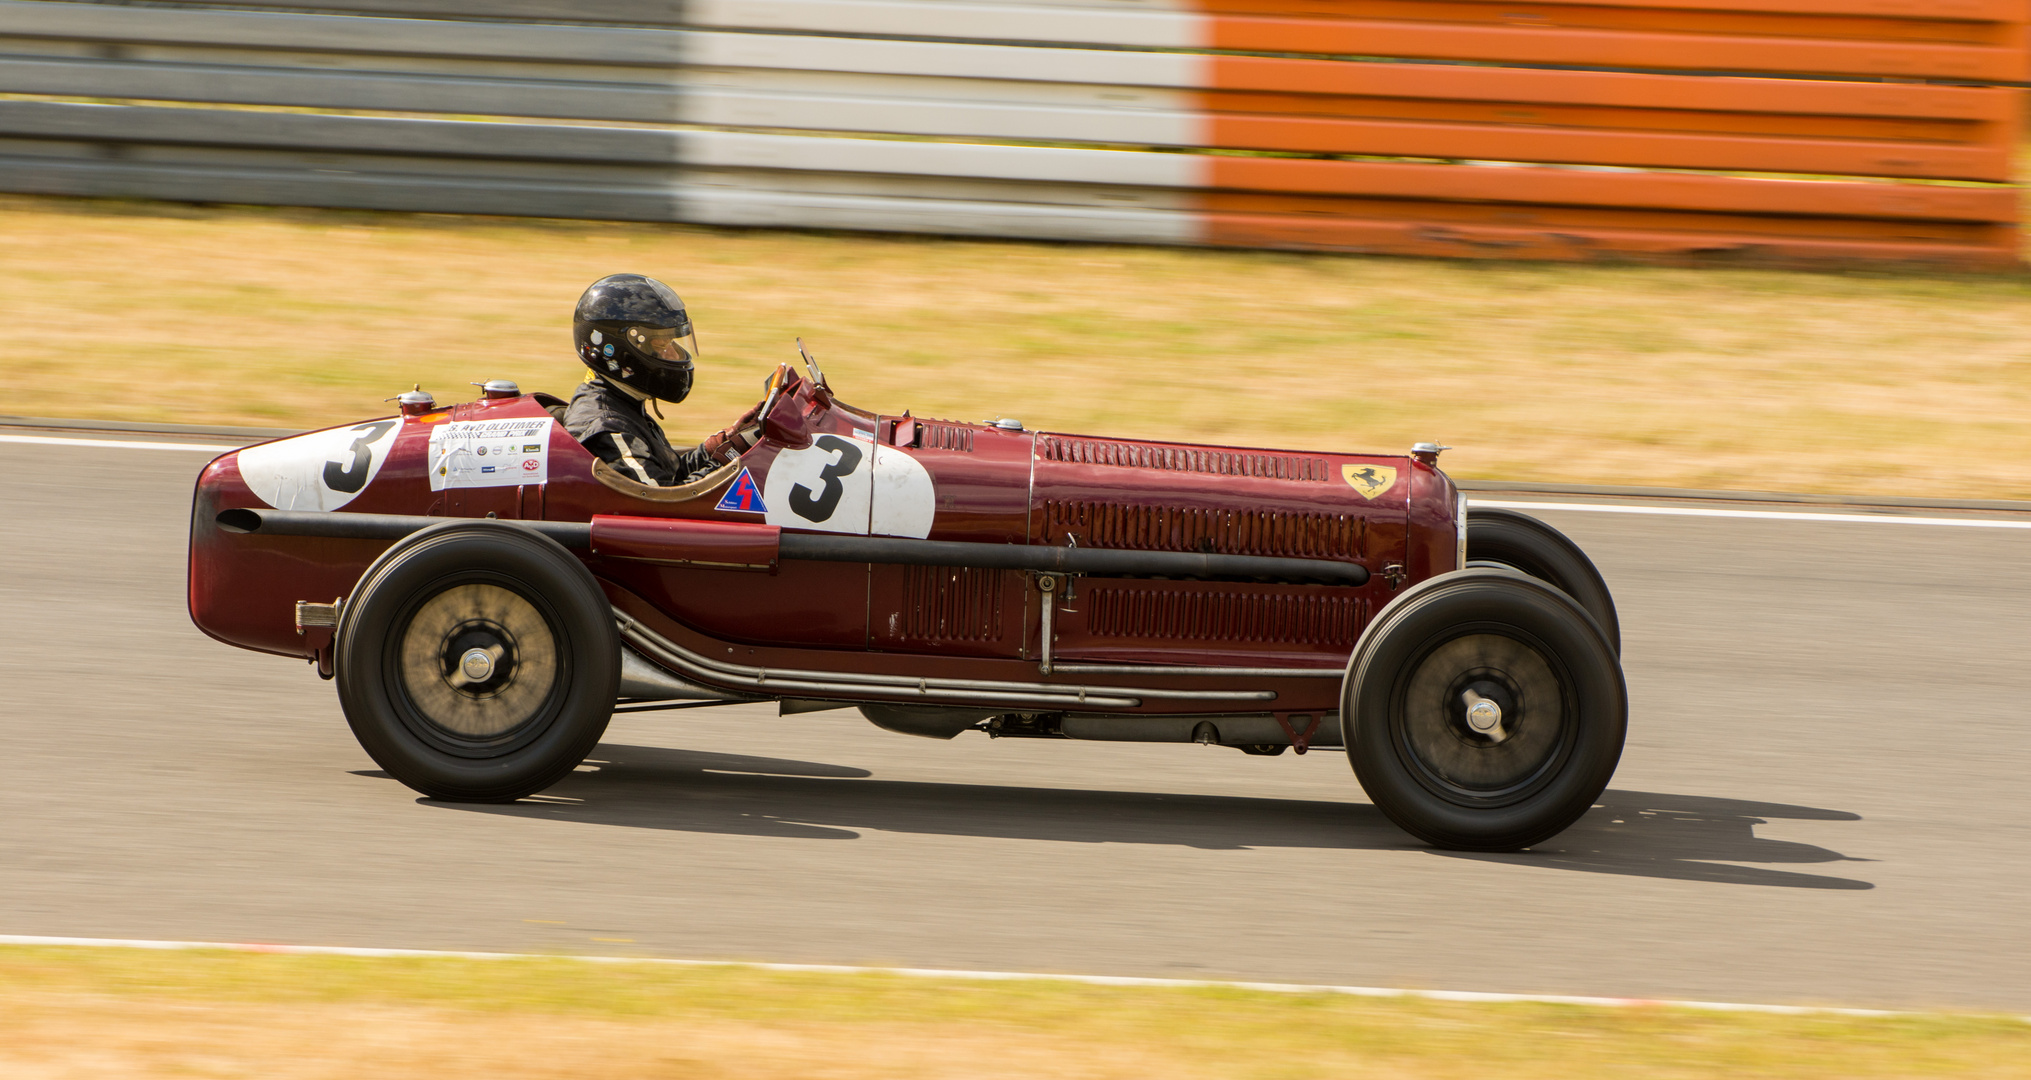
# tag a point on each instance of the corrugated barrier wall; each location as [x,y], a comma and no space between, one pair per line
[1807,132]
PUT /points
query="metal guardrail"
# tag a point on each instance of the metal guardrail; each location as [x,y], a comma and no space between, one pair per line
[1108,120]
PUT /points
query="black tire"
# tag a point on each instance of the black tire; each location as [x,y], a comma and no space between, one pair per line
[1521,542]
[494,727]
[1433,756]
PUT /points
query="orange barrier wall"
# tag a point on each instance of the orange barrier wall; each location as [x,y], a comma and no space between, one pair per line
[1768,132]
[1865,105]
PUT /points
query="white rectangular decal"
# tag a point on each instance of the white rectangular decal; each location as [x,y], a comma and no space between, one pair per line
[490,453]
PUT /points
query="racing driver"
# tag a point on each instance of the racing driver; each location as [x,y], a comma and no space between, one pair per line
[633,333]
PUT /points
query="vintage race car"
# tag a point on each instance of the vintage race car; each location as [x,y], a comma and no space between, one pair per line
[487,594]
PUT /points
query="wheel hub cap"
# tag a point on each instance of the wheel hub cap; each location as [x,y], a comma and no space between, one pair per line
[478,665]
[478,661]
[1484,715]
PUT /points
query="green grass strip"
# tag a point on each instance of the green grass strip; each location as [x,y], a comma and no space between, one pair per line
[746,1021]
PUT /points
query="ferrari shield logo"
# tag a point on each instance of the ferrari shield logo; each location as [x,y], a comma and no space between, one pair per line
[1369,480]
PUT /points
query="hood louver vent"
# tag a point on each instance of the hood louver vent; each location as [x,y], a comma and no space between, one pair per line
[942,436]
[1130,612]
[1130,455]
[1212,532]
[951,603]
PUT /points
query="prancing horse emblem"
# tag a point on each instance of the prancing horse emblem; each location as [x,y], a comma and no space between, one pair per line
[1369,480]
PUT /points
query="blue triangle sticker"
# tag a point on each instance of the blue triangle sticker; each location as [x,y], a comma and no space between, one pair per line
[743,497]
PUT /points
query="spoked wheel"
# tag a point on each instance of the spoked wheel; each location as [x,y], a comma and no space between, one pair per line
[1501,537]
[1484,711]
[477,666]
[477,661]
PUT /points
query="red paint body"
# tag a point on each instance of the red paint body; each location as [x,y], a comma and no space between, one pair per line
[990,486]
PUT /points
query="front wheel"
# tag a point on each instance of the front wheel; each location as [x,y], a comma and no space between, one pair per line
[477,661]
[1502,537]
[1484,711]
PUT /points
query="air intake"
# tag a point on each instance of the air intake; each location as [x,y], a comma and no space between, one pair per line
[952,603]
[941,436]
[1130,455]
[1132,612]
[1280,533]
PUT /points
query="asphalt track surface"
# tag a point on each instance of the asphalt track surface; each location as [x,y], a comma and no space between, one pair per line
[1824,797]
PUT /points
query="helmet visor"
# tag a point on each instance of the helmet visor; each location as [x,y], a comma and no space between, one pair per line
[673,344]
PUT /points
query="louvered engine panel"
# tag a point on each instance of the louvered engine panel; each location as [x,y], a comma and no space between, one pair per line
[1224,616]
[938,435]
[948,603]
[1289,534]
[1136,455]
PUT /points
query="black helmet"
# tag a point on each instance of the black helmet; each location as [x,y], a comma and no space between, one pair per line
[633,330]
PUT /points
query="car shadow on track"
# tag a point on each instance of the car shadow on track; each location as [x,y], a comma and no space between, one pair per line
[1646,834]
[649,787]
[1686,838]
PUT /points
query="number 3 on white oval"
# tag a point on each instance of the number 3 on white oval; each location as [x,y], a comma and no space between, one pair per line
[823,486]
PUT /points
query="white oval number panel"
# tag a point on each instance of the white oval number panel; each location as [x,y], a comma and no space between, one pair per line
[323,470]
[823,486]
[905,501]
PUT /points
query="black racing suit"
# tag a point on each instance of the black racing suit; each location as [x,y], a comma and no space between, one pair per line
[616,428]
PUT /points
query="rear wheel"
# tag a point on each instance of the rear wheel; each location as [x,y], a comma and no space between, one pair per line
[1484,711]
[1499,537]
[477,661]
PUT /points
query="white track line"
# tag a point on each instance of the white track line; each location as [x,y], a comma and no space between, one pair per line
[1766,515]
[979,976]
[115,444]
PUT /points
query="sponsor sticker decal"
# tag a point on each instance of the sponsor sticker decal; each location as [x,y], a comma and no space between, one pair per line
[1369,480]
[743,497]
[516,452]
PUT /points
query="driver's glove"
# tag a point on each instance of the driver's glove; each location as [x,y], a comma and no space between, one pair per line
[723,446]
[733,441]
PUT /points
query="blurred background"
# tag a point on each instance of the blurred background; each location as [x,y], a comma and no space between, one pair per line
[1763,245]
[1744,245]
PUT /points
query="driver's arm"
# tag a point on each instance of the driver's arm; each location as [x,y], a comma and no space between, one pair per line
[721,446]
[634,458]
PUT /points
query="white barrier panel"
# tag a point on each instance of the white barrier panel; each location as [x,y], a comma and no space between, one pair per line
[1103,120]
[1124,25]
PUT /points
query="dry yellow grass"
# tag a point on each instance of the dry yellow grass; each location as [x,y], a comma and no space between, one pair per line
[86,1014]
[1728,379]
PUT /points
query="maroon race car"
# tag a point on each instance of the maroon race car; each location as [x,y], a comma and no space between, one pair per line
[487,594]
